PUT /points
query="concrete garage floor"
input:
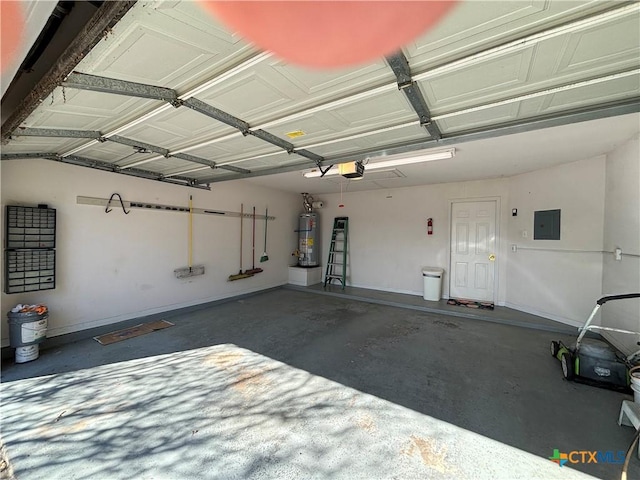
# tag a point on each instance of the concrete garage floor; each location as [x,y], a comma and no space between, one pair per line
[291,384]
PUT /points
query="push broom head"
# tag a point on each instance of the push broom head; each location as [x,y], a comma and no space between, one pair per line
[189,271]
[239,276]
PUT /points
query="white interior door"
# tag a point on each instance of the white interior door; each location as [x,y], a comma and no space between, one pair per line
[473,250]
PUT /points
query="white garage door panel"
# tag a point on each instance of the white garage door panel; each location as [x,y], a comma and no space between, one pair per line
[41,144]
[335,149]
[561,60]
[580,97]
[479,83]
[385,138]
[620,89]
[352,119]
[192,15]
[208,173]
[84,110]
[234,149]
[472,20]
[315,87]
[178,45]
[323,127]
[164,136]
[412,132]
[250,94]
[500,114]
[150,46]
[380,111]
[147,56]
[317,128]
[274,90]
[284,159]
[178,127]
[281,158]
[331,84]
[585,50]
[68,119]
[114,153]
[264,158]
[214,152]
[168,165]
[104,104]
[473,26]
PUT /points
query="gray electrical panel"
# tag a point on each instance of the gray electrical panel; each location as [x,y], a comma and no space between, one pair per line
[546,225]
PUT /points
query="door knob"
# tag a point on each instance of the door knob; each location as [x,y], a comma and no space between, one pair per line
[492,257]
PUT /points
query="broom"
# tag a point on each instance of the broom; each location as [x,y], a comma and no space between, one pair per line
[264,256]
[240,275]
[191,270]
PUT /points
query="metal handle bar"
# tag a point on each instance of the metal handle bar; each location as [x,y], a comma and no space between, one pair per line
[608,298]
[599,303]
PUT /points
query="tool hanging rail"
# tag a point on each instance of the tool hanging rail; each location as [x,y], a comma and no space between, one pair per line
[102,202]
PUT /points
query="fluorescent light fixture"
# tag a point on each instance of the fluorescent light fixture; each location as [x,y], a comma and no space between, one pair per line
[316,172]
[394,162]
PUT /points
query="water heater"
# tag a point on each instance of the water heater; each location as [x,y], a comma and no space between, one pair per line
[308,252]
[308,235]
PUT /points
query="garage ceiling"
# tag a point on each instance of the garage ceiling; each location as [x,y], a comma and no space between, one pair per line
[170,94]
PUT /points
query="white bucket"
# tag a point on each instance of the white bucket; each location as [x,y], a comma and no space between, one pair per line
[28,353]
[34,331]
[635,383]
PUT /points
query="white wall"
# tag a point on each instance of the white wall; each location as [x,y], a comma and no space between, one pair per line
[558,279]
[387,236]
[388,243]
[622,230]
[112,267]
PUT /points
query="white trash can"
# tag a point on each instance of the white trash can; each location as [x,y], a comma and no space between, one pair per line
[432,277]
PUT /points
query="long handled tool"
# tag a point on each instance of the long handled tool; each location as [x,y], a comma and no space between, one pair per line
[189,271]
[253,269]
[240,275]
[264,256]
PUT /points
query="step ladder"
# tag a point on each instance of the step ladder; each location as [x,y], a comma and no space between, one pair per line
[337,261]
